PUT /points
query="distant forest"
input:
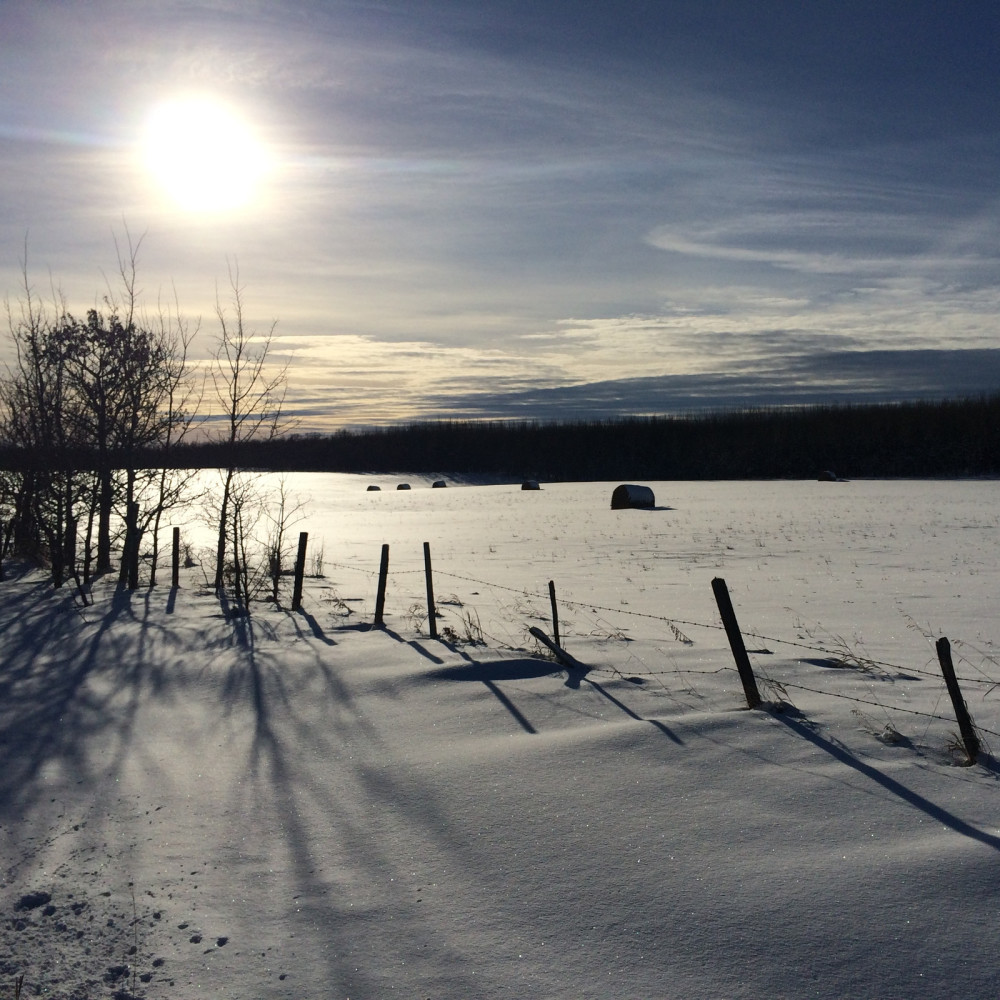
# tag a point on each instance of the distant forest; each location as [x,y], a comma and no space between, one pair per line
[956,438]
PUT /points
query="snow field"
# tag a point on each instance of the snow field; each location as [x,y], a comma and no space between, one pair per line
[303,807]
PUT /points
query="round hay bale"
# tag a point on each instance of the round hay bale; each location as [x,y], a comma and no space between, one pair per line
[403,486]
[438,484]
[374,489]
[530,484]
[628,495]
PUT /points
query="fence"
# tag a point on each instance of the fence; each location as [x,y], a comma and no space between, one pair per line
[970,733]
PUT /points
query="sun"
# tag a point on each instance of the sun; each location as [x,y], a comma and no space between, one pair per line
[204,155]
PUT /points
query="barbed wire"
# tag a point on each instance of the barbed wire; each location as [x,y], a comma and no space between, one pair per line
[878,704]
[353,569]
[837,655]
[757,636]
[785,685]
[675,623]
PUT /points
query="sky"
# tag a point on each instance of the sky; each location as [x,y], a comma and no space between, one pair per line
[516,209]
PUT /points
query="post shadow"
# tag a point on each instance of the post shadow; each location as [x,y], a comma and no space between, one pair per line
[315,627]
[521,718]
[412,642]
[936,812]
[628,711]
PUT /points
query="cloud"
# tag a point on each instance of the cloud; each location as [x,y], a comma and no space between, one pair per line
[832,242]
[417,380]
[832,378]
[565,197]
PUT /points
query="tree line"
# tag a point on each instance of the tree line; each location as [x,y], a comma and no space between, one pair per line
[926,439]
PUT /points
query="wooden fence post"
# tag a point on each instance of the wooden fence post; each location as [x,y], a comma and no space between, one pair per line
[175,570]
[383,576]
[300,571]
[128,574]
[431,610]
[560,654]
[965,725]
[555,612]
[69,544]
[725,604]
[133,569]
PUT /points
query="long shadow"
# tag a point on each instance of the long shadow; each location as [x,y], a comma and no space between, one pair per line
[628,711]
[458,651]
[891,785]
[48,712]
[71,685]
[23,603]
[527,669]
[503,670]
[412,642]
[278,779]
[511,707]
[360,627]
[576,675]
[316,628]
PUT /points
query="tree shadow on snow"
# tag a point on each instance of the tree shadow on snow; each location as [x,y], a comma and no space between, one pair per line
[75,687]
[50,713]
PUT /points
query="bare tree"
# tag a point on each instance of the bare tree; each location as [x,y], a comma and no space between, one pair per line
[39,420]
[164,403]
[86,403]
[282,514]
[250,390]
[183,399]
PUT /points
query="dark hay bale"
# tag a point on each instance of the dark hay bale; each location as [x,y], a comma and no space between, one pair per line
[530,484]
[628,495]
[374,489]
[438,484]
[403,486]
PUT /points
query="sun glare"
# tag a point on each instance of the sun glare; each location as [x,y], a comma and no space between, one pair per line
[204,156]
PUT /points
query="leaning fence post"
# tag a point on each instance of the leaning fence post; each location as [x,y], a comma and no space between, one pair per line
[383,576]
[555,612]
[725,604]
[431,610]
[300,570]
[557,651]
[175,572]
[965,725]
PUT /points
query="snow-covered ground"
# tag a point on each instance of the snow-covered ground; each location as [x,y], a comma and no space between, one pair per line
[298,806]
